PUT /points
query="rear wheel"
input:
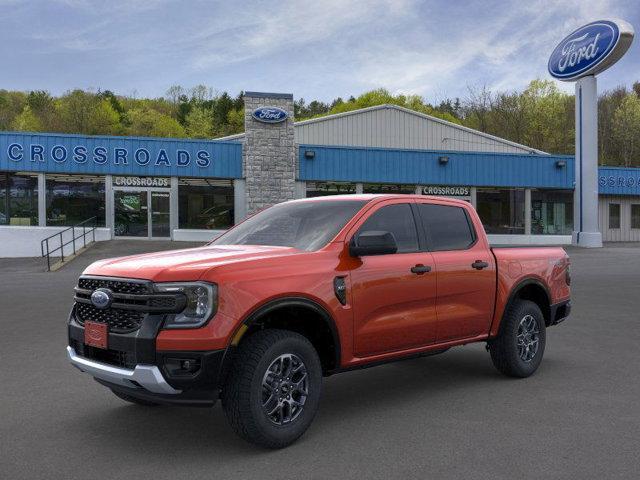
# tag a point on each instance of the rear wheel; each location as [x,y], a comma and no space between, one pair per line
[518,349]
[130,399]
[272,393]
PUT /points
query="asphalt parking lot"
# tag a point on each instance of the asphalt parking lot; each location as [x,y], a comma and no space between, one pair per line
[447,416]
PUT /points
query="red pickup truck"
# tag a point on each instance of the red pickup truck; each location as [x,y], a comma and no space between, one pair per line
[306,289]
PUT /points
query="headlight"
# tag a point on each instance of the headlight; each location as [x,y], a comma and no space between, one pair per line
[202,303]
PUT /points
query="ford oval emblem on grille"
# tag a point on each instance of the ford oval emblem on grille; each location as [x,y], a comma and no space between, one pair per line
[102,298]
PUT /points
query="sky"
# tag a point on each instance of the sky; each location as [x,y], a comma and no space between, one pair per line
[318,49]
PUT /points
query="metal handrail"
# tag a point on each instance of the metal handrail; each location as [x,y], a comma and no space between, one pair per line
[86,230]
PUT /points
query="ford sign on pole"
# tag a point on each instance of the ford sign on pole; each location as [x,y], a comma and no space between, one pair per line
[270,114]
[585,52]
[590,49]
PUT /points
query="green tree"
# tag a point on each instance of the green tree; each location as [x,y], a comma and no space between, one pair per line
[147,122]
[198,123]
[104,120]
[11,105]
[626,129]
[27,121]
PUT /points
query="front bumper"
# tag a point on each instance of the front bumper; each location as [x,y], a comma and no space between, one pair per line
[148,377]
[134,366]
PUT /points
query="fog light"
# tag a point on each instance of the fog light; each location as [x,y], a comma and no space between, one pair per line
[177,367]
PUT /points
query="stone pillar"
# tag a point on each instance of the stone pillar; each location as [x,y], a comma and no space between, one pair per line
[269,154]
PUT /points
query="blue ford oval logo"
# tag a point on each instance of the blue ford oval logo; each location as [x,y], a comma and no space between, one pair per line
[270,114]
[582,51]
[102,298]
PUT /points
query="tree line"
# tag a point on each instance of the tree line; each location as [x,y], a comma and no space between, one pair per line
[540,116]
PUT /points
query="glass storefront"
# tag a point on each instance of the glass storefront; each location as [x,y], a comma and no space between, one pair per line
[321,189]
[501,210]
[18,199]
[205,203]
[551,212]
[388,188]
[72,199]
[142,207]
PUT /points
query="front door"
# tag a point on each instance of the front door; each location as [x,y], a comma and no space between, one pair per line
[394,296]
[141,213]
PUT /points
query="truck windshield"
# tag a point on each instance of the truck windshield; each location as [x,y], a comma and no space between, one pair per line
[302,225]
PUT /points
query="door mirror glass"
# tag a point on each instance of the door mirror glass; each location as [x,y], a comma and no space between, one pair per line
[373,242]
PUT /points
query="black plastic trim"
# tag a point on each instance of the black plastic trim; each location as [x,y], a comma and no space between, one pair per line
[191,398]
[254,316]
[520,286]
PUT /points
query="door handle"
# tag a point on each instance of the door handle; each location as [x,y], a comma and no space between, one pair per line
[420,269]
[479,264]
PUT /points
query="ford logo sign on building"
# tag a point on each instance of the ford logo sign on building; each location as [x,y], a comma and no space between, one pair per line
[590,49]
[270,114]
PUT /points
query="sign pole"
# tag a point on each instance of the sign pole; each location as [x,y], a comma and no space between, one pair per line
[585,204]
[579,57]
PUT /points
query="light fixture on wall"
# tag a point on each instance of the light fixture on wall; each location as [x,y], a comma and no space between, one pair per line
[561,164]
[443,160]
[309,154]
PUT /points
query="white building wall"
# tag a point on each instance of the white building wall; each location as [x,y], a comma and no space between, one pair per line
[25,241]
[625,233]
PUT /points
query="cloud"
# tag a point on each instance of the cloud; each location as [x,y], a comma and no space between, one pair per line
[316,49]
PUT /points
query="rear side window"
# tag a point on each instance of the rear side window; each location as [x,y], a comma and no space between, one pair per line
[397,219]
[446,227]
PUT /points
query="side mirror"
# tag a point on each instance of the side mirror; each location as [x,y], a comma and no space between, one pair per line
[372,242]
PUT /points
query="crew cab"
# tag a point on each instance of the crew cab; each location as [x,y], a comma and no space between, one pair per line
[306,289]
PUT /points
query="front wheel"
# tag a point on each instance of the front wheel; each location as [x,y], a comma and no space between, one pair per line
[518,349]
[272,393]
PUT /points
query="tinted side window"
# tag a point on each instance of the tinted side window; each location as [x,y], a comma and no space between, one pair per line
[398,220]
[447,228]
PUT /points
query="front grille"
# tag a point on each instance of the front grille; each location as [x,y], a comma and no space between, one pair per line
[117,358]
[116,286]
[132,301]
[119,320]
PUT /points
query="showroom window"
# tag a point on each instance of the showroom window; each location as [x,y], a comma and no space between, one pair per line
[551,212]
[322,189]
[635,215]
[205,203]
[72,199]
[501,210]
[388,188]
[614,215]
[18,199]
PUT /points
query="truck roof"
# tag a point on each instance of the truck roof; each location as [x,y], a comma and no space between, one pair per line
[380,196]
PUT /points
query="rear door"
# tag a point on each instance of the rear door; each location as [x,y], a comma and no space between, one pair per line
[394,295]
[465,268]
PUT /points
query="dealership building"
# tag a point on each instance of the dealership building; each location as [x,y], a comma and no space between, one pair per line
[153,188]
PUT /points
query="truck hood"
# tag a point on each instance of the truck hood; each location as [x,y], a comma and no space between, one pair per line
[183,265]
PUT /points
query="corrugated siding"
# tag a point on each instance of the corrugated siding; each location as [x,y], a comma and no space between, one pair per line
[393,128]
[619,181]
[225,157]
[423,167]
[625,233]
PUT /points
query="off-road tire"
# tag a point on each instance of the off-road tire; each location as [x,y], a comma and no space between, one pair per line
[504,350]
[137,401]
[242,394]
